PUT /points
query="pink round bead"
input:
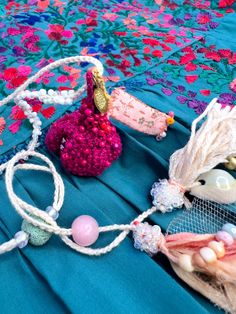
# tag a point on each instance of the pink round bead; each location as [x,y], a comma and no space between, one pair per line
[85,230]
[88,112]
[225,237]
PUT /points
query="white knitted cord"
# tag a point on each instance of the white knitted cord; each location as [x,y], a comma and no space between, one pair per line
[20,94]
[8,246]
[28,212]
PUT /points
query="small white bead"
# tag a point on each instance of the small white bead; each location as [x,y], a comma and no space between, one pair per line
[21,238]
[42,92]
[51,92]
[37,132]
[34,94]
[23,94]
[57,99]
[185,262]
[62,101]
[37,122]
[64,93]
[218,248]
[71,92]
[52,212]
[208,255]
[18,97]
[46,101]
[68,101]
[27,94]
[22,103]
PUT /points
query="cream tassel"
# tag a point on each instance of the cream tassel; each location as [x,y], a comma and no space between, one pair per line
[214,141]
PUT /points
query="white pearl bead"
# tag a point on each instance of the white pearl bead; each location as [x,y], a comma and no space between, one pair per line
[37,122]
[27,94]
[18,97]
[42,92]
[185,262]
[51,92]
[57,99]
[34,94]
[71,92]
[26,106]
[64,93]
[208,255]
[46,101]
[38,133]
[22,103]
[218,248]
[68,101]
[62,101]
[23,94]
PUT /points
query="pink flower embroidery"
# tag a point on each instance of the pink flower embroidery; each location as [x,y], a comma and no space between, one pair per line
[57,32]
[45,78]
[110,16]
[2,128]
[233,85]
[14,127]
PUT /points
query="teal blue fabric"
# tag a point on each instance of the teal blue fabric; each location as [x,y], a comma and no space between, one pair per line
[53,278]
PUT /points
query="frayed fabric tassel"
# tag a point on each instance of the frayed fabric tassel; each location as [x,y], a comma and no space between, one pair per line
[191,168]
[206,262]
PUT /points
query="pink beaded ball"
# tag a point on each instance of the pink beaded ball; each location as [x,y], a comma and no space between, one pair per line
[85,140]
[85,230]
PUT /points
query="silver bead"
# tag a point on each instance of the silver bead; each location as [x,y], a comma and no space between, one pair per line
[21,238]
[52,212]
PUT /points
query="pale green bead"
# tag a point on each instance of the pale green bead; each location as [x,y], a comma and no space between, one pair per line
[37,236]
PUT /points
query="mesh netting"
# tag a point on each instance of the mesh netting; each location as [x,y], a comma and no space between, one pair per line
[203,217]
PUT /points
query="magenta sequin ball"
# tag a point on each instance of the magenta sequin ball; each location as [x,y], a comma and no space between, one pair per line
[86,142]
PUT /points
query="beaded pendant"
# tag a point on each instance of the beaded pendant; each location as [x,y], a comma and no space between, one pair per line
[85,139]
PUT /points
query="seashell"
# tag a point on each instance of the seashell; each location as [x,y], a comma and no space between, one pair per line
[217,186]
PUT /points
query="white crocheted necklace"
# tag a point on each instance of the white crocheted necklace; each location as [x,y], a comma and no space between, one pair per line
[39,225]
[189,253]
